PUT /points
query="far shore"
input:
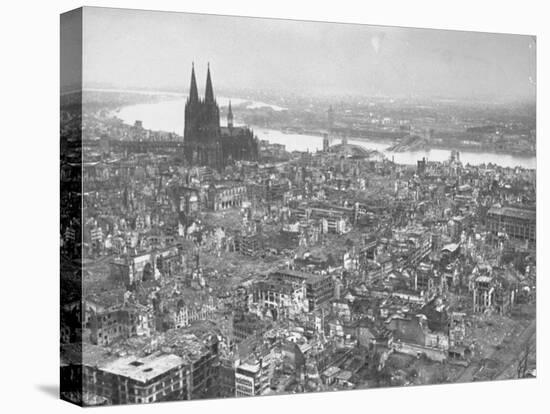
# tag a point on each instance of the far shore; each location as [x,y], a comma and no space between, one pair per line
[374,139]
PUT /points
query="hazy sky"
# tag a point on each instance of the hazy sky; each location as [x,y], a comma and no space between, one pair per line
[142,49]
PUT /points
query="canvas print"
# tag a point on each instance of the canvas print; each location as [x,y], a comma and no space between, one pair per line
[256,206]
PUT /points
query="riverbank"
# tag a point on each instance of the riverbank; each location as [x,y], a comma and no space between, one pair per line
[169,116]
[416,143]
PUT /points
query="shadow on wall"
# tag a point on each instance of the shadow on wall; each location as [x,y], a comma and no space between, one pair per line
[49,389]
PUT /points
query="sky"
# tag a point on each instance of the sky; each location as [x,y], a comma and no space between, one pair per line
[154,50]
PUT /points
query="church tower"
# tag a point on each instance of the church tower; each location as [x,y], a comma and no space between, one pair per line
[209,93]
[211,111]
[229,117]
[205,142]
[192,107]
[201,135]
[193,91]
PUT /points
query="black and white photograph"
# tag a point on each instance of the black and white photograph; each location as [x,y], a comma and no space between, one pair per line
[355,210]
[330,212]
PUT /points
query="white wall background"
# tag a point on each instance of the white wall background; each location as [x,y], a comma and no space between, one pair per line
[29,152]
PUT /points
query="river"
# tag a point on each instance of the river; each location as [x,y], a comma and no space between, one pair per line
[169,116]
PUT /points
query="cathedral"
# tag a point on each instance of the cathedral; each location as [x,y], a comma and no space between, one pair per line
[205,142]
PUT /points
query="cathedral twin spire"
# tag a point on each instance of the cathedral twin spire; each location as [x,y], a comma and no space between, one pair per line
[193,91]
[209,94]
[205,142]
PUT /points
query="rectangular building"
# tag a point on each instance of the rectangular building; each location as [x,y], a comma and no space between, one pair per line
[518,223]
[319,288]
[130,380]
[252,378]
